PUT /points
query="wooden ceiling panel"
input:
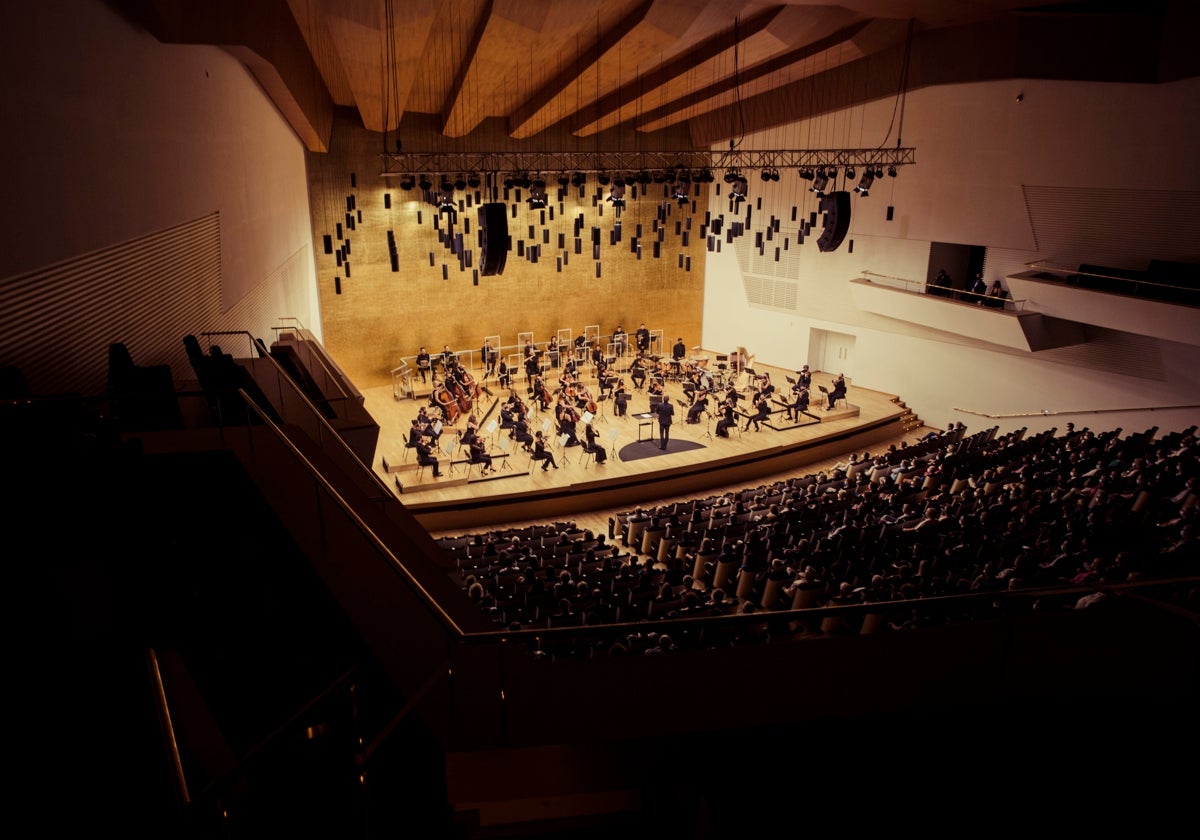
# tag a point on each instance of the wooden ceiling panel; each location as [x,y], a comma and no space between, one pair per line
[546,68]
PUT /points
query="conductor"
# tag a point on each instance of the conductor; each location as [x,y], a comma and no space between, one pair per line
[666,412]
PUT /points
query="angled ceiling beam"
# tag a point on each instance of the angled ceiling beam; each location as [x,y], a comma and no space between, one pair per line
[801,62]
[359,29]
[555,100]
[459,118]
[609,109]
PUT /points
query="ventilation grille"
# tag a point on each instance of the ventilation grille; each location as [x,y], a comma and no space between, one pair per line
[769,284]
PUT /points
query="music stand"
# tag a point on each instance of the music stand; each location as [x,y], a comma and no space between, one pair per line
[448,447]
[562,447]
[504,448]
[612,436]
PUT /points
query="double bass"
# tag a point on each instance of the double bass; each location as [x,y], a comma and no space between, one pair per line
[468,388]
[442,398]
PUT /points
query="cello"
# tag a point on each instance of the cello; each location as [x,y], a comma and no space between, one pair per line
[468,389]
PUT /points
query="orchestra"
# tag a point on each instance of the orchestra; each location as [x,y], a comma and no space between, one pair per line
[712,394]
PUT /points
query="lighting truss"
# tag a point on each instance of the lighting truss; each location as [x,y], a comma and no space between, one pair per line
[403,164]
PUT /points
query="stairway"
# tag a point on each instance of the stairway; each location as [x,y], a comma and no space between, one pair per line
[909,419]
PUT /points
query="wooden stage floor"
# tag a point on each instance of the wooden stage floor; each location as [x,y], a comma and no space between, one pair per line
[519,490]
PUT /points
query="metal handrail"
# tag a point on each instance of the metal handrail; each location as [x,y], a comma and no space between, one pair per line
[1074,411]
[919,287]
[255,343]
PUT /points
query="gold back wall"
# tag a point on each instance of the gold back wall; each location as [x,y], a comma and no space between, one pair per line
[382,316]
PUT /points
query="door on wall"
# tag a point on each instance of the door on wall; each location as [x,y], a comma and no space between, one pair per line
[834,352]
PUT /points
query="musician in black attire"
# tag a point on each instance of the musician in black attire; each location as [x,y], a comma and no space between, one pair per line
[488,354]
[838,391]
[567,425]
[605,379]
[521,434]
[698,407]
[541,453]
[425,457]
[427,426]
[423,364]
[620,397]
[479,455]
[665,412]
[803,379]
[762,410]
[637,372]
[589,445]
[503,376]
[728,419]
[448,358]
[643,340]
[799,405]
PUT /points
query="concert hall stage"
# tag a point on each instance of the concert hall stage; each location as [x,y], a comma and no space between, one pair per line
[463,499]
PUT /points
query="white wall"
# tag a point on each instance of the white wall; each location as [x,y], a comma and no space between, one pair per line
[976,146]
[110,135]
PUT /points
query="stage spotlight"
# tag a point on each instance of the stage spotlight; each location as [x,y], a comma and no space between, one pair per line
[739,189]
[891,172]
[537,194]
[563,180]
[425,184]
[578,179]
[820,182]
[460,183]
[864,184]
[617,196]
[806,174]
[604,179]
[850,173]
[407,182]
[509,183]
[473,180]
[706,176]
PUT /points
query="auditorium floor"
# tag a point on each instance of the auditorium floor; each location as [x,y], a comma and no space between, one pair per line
[622,436]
